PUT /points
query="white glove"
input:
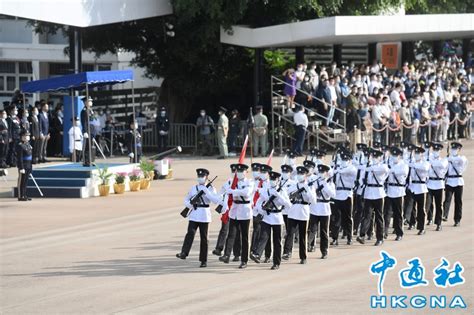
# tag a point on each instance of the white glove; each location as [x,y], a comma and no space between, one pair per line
[131,155]
[162,132]
[22,171]
[85,135]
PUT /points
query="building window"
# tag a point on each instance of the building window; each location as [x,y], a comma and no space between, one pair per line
[104,67]
[25,67]
[12,75]
[7,67]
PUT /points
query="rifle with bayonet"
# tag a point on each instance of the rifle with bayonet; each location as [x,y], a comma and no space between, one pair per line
[194,200]
[294,194]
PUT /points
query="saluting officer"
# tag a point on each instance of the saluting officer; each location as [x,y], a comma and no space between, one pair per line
[199,216]
[374,194]
[343,178]
[301,196]
[271,203]
[418,177]
[240,215]
[396,190]
[320,211]
[455,182]
[436,176]
[24,154]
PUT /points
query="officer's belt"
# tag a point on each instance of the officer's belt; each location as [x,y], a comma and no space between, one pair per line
[454,176]
[436,178]
[301,203]
[374,185]
[274,211]
[27,158]
[323,201]
[418,182]
[241,202]
[202,206]
[396,185]
[344,188]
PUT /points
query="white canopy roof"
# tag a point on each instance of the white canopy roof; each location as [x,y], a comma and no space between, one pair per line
[353,29]
[84,13]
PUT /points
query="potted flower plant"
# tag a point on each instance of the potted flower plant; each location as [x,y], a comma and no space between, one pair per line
[119,186]
[147,169]
[104,176]
[135,182]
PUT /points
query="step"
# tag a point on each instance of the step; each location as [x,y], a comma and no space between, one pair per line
[49,173]
[60,182]
[53,192]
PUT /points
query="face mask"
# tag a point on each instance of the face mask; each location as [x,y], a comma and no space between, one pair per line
[240,175]
[376,160]
[26,115]
[318,161]
[300,177]
[344,164]
[436,154]
[263,176]
[27,138]
[15,112]
[202,114]
[292,161]
[163,114]
[255,174]
[306,79]
[273,183]
[299,69]
[394,159]
[310,170]
[454,152]
[417,156]
[201,180]
[285,176]
[60,114]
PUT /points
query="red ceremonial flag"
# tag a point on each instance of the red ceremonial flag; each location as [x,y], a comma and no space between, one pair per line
[260,183]
[225,216]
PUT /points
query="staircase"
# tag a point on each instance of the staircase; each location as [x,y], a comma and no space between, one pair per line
[282,120]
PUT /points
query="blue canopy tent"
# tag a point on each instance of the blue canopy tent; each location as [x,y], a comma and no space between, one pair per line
[81,81]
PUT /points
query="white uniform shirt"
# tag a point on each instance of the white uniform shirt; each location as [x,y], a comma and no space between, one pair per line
[418,177]
[396,180]
[75,139]
[243,192]
[300,118]
[224,198]
[201,214]
[456,164]
[359,161]
[299,211]
[377,174]
[281,201]
[290,182]
[436,174]
[257,188]
[344,181]
[325,191]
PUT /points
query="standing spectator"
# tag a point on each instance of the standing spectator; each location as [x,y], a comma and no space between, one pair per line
[102,118]
[300,73]
[304,96]
[35,134]
[14,127]
[260,132]
[378,121]
[445,122]
[222,131]
[234,131]
[353,126]
[206,127]
[4,138]
[333,93]
[56,144]
[301,122]
[313,75]
[162,128]
[290,86]
[322,97]
[406,119]
[395,95]
[44,132]
[454,110]
[24,122]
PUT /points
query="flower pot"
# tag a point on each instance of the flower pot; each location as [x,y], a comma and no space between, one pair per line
[135,185]
[144,184]
[119,188]
[151,175]
[104,190]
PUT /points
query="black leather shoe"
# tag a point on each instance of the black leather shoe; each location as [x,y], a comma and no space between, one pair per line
[334,243]
[398,238]
[385,236]
[255,258]
[354,233]
[275,267]
[324,256]
[311,249]
[285,256]
[445,219]
[28,198]
[181,256]
[217,252]
[429,222]
[410,227]
[457,223]
[349,242]
[243,265]
[303,261]
[369,237]
[203,265]
[378,243]
[236,258]
[360,240]
[439,228]
[225,259]
[267,260]
[421,232]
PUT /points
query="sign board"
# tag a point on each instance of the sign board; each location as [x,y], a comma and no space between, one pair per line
[389,54]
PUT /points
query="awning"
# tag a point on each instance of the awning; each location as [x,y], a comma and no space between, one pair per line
[353,29]
[78,81]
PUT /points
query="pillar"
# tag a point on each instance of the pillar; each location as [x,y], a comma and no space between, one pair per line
[408,51]
[299,55]
[337,53]
[75,50]
[257,73]
[371,52]
[437,49]
[466,48]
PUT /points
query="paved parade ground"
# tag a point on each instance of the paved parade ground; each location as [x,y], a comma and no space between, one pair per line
[117,255]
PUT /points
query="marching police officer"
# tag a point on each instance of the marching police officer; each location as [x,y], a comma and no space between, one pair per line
[301,196]
[396,190]
[343,178]
[24,154]
[418,177]
[374,194]
[455,182]
[199,216]
[436,176]
[271,202]
[286,171]
[359,161]
[240,214]
[320,211]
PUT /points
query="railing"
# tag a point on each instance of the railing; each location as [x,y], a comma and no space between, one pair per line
[184,135]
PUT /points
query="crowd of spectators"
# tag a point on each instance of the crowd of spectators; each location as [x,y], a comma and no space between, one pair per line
[422,101]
